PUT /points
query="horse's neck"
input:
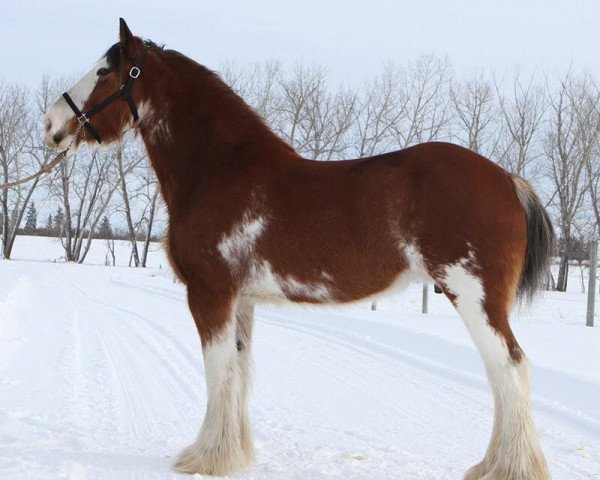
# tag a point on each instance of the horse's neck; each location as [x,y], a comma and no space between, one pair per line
[191,127]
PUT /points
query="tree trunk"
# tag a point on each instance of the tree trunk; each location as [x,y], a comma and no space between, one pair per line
[5,225]
[127,207]
[563,272]
[149,228]
[13,235]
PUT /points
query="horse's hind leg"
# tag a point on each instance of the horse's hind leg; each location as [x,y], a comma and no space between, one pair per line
[245,322]
[218,449]
[514,452]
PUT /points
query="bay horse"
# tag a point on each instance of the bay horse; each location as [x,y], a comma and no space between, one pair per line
[251,221]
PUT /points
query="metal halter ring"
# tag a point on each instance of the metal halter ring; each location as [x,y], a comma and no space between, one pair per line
[83,119]
[134,72]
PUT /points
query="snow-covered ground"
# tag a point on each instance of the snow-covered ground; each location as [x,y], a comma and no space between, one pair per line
[101,377]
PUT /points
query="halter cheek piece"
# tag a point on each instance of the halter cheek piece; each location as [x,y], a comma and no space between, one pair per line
[123,93]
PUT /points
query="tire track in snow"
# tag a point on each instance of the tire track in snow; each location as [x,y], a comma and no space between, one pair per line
[138,334]
[150,389]
[94,394]
[182,349]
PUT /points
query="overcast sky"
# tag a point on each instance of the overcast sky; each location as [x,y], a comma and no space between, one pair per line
[352,38]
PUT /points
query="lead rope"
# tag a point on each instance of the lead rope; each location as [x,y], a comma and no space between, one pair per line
[45,168]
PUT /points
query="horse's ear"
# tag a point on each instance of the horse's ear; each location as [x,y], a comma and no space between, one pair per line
[130,45]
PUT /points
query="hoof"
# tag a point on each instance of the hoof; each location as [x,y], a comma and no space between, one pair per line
[534,469]
[214,460]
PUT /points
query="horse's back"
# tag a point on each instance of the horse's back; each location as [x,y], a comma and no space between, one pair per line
[435,183]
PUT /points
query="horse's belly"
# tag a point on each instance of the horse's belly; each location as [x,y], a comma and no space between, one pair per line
[266,285]
[330,286]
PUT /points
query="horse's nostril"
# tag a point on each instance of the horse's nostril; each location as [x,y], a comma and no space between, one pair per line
[57,137]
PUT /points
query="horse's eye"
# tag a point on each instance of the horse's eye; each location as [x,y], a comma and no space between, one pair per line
[102,71]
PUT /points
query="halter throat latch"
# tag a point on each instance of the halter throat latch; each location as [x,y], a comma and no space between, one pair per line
[123,93]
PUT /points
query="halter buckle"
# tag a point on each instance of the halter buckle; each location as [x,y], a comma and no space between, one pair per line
[83,119]
[134,72]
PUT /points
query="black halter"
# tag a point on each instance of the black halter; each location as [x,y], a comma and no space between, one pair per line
[124,93]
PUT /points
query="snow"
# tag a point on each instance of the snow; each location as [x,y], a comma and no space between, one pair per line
[101,377]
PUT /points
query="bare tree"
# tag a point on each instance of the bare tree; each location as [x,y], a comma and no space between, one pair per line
[592,166]
[523,112]
[112,259]
[17,145]
[257,84]
[593,175]
[87,183]
[126,206]
[295,93]
[149,218]
[148,205]
[425,112]
[569,143]
[476,115]
[327,120]
[128,157]
[376,111]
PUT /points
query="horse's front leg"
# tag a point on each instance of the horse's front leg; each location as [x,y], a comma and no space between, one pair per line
[218,448]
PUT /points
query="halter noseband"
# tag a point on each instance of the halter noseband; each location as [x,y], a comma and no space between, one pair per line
[124,93]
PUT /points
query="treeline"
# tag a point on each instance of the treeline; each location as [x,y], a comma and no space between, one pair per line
[54,224]
[543,127]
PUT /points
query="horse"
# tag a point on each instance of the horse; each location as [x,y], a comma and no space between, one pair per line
[251,221]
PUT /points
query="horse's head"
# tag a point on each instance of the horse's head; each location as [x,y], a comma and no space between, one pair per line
[104,102]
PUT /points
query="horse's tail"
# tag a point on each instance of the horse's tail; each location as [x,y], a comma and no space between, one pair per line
[540,240]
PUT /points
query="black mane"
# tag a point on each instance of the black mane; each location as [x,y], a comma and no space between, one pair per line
[113,57]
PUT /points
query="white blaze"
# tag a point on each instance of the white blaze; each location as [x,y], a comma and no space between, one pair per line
[60,113]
